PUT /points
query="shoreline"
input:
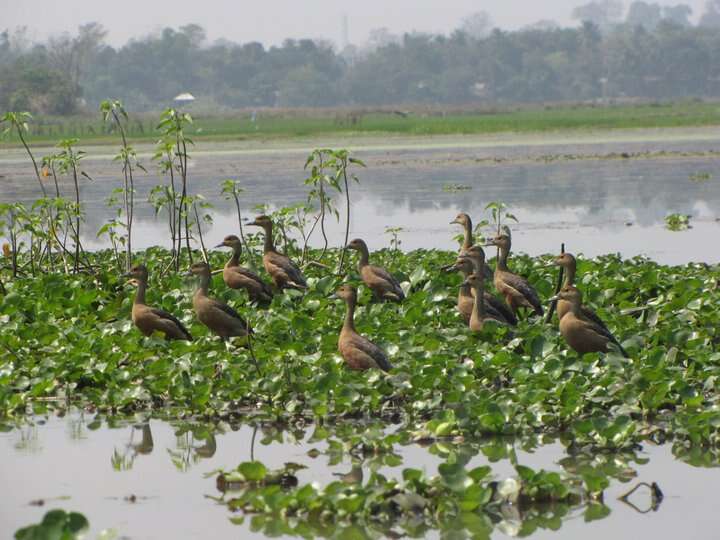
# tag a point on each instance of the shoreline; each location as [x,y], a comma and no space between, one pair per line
[363,142]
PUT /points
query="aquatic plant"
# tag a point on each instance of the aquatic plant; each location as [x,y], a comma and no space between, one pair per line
[18,121]
[56,524]
[113,110]
[455,188]
[677,222]
[172,152]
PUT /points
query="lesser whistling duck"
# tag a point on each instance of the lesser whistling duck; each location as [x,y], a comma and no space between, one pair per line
[465,222]
[237,277]
[383,285]
[516,290]
[221,319]
[148,319]
[284,272]
[357,351]
[494,307]
[569,264]
[582,334]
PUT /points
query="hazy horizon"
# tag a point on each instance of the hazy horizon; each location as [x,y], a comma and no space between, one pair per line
[272,21]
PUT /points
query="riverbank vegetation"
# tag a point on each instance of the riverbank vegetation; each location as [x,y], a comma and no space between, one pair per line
[294,123]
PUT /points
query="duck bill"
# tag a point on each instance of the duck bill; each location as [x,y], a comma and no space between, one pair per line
[466,282]
[455,222]
[554,298]
[220,245]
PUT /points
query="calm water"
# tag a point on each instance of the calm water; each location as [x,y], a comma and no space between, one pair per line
[93,465]
[594,205]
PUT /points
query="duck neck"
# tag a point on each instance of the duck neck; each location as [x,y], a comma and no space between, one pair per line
[140,294]
[502,259]
[235,259]
[349,323]
[204,284]
[569,275]
[465,289]
[479,305]
[269,244]
[364,256]
[575,308]
[468,240]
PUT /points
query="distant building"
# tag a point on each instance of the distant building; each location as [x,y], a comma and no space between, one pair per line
[184,99]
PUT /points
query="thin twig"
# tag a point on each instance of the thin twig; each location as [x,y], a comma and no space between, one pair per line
[561,275]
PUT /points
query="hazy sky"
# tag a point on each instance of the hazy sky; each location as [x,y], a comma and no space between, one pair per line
[270,21]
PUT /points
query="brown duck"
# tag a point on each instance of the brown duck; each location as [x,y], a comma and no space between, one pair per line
[465,222]
[284,273]
[494,307]
[237,277]
[582,334]
[383,285]
[149,319]
[221,319]
[569,264]
[516,290]
[357,351]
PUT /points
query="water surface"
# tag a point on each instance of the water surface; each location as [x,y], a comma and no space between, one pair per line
[583,194]
[96,465]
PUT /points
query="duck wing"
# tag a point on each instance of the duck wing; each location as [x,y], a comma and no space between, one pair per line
[227,310]
[493,303]
[164,315]
[594,322]
[281,267]
[524,289]
[237,277]
[378,276]
[367,347]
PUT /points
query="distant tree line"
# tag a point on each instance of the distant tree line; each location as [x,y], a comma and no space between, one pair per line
[652,52]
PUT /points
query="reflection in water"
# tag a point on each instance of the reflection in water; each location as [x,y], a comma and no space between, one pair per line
[585,203]
[168,504]
[123,460]
[655,498]
[27,439]
[194,442]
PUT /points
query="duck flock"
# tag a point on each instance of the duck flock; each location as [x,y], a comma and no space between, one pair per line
[581,327]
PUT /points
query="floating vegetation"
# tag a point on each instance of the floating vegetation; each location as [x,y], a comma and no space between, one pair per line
[677,222]
[454,188]
[56,524]
[415,502]
[700,176]
[78,343]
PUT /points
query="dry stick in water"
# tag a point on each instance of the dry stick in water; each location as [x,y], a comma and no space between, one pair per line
[561,275]
[656,497]
[200,235]
[250,348]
